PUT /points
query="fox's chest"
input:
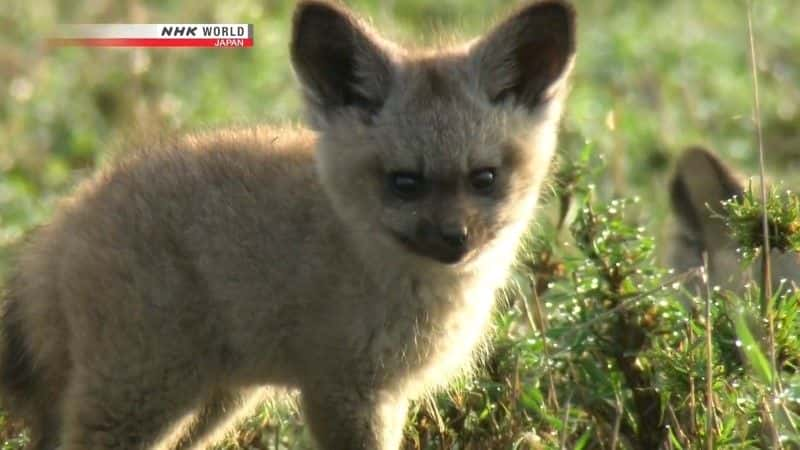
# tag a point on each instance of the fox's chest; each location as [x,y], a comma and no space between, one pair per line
[432,331]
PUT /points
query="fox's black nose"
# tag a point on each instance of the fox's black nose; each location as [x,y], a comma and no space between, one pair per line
[454,236]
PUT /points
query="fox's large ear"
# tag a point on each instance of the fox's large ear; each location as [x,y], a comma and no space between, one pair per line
[703,181]
[338,60]
[527,54]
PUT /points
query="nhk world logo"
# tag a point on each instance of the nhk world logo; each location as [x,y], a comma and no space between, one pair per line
[155,35]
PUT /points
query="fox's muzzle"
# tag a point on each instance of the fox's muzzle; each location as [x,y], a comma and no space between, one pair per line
[447,243]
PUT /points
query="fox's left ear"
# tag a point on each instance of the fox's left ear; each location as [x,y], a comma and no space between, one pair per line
[526,56]
[339,60]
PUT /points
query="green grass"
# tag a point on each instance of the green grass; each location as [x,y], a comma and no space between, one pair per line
[651,77]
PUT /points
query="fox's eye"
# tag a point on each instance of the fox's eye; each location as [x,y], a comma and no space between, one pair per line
[407,185]
[482,179]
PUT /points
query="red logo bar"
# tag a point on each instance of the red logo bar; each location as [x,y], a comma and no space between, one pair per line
[153,42]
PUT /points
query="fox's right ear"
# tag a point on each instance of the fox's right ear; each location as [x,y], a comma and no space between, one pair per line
[702,181]
[526,58]
[339,60]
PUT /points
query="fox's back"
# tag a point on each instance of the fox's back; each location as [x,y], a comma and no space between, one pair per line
[187,242]
[239,179]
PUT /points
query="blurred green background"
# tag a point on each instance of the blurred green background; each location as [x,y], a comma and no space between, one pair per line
[652,76]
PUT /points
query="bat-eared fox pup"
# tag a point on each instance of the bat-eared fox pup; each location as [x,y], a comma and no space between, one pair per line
[702,181]
[356,263]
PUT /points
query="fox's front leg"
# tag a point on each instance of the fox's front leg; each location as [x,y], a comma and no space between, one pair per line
[354,417]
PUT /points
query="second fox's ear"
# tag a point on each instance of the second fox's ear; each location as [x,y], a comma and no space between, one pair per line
[338,60]
[703,181]
[527,54]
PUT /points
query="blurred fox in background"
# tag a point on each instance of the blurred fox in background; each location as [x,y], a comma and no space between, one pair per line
[701,182]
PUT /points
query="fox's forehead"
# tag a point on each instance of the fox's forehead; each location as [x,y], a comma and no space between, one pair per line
[433,122]
[441,77]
